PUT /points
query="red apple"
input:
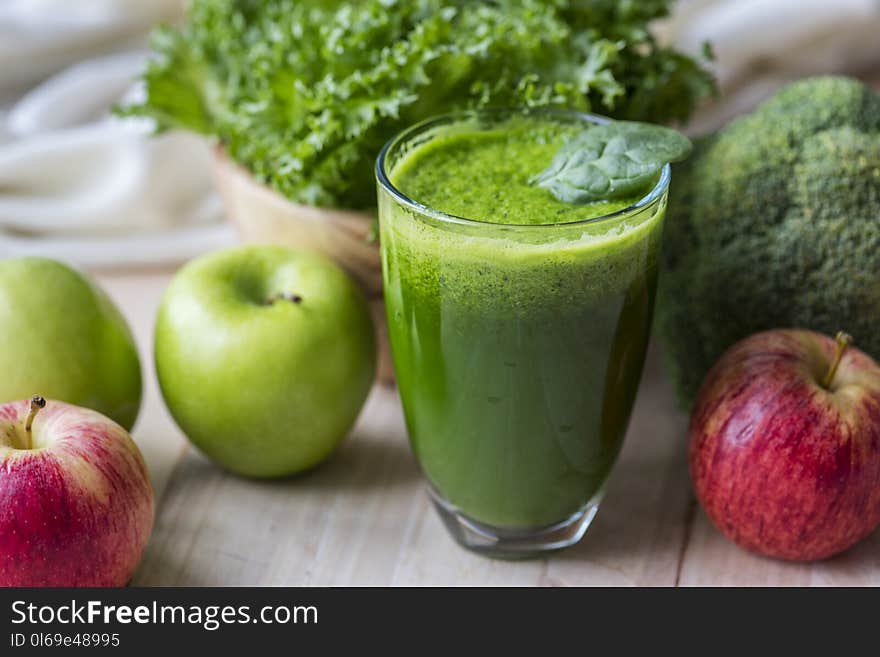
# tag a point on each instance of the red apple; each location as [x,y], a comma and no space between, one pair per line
[785,444]
[76,505]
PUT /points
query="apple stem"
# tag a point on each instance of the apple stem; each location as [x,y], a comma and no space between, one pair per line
[843,341]
[284,296]
[37,403]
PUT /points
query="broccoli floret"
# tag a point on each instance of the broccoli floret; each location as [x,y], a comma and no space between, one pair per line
[774,222]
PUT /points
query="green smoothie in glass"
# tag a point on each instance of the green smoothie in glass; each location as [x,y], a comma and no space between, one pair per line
[518,323]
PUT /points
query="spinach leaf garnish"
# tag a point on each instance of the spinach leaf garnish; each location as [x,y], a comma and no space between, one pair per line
[611,160]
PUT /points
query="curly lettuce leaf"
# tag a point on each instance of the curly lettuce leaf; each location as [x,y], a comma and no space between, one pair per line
[304,93]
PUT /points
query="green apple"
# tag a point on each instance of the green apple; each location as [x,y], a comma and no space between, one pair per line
[265,356]
[64,339]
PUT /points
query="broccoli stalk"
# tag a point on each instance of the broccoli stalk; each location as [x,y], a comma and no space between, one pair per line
[774,222]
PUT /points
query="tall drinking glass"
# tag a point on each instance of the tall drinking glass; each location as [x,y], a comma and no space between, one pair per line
[518,349]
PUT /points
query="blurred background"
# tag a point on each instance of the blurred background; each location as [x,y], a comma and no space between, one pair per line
[81,185]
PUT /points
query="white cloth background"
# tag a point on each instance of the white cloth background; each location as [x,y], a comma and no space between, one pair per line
[761,45]
[77,183]
[83,186]
[41,37]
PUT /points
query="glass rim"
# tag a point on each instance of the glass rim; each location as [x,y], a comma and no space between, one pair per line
[382,176]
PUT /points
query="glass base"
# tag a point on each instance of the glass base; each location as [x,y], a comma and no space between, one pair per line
[503,543]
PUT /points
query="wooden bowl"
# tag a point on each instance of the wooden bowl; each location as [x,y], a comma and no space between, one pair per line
[263,216]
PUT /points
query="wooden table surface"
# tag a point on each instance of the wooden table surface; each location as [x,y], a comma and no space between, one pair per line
[363,518]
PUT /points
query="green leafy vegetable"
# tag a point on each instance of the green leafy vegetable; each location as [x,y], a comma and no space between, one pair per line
[611,160]
[774,222]
[303,93]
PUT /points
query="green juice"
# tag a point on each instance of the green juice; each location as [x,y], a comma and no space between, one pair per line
[518,335]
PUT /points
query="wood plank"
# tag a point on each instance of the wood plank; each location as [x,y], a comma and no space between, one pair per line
[711,560]
[137,294]
[364,518]
[216,528]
